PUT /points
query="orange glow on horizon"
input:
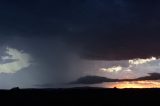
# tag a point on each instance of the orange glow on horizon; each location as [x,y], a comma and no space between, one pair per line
[136,84]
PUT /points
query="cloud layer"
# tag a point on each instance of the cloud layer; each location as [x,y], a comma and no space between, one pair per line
[132,64]
[99,79]
[19,60]
[112,69]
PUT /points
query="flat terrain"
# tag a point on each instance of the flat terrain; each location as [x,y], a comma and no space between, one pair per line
[80,96]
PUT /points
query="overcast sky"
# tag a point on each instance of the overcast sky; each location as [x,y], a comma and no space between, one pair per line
[57,41]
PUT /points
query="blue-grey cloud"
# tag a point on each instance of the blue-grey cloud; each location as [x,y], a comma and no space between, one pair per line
[21,60]
[99,79]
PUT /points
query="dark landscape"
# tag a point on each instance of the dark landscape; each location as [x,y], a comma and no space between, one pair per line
[80,95]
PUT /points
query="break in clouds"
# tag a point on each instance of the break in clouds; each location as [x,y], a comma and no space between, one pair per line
[134,68]
[18,60]
[119,69]
[131,65]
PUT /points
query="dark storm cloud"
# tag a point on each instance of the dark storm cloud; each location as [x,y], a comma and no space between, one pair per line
[98,79]
[99,29]
[52,31]
[52,56]
[93,80]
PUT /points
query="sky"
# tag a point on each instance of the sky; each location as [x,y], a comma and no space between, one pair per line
[48,43]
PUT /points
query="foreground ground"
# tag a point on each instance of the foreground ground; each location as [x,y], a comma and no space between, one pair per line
[80,96]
